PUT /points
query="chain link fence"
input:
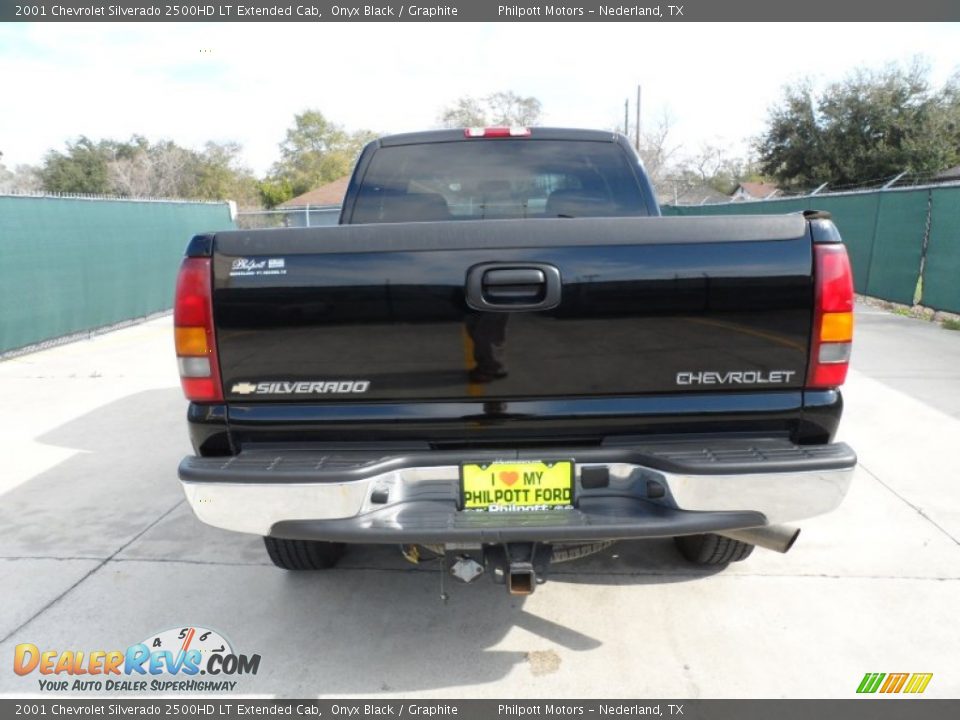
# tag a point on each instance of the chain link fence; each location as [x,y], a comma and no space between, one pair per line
[308,216]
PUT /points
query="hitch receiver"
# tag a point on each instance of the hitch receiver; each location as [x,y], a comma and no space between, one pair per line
[519,566]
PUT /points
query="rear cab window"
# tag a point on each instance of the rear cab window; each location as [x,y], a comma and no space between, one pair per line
[498,179]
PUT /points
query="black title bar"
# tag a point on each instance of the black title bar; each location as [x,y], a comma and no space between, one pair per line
[478,11]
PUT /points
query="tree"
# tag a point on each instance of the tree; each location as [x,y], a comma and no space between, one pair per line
[709,172]
[138,168]
[219,175]
[6,177]
[172,170]
[129,168]
[274,192]
[657,151]
[870,126]
[23,179]
[508,108]
[81,169]
[712,167]
[504,108]
[315,151]
[465,112]
[661,157]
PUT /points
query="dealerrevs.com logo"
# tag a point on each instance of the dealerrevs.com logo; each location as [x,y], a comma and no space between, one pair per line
[178,660]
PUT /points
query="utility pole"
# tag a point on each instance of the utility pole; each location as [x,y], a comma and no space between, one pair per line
[626,117]
[638,119]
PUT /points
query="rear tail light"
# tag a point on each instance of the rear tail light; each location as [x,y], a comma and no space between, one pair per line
[496,132]
[832,317]
[194,334]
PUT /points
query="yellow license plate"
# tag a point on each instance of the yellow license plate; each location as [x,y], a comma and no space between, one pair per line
[519,486]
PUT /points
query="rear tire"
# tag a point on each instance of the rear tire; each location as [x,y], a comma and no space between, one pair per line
[303,554]
[712,549]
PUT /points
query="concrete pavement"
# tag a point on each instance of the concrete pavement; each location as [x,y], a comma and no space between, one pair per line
[98,551]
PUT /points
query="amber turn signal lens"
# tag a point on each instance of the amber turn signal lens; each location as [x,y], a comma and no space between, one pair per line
[836,327]
[191,341]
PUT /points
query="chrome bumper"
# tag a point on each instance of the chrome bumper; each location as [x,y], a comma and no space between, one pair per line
[378,499]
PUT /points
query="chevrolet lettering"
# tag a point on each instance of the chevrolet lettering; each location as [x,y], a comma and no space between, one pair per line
[735,377]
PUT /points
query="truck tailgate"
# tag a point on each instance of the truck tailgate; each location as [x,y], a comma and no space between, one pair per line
[387,312]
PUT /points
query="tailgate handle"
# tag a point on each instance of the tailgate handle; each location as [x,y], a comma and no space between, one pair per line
[521,284]
[502,287]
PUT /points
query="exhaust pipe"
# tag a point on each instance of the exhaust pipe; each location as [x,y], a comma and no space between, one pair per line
[772,537]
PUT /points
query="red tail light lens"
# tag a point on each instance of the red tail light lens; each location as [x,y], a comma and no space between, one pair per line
[194,334]
[832,317]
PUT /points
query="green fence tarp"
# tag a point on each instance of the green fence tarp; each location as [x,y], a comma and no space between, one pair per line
[883,232]
[941,276]
[898,243]
[856,218]
[70,265]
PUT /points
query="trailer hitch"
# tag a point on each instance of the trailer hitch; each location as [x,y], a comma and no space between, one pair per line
[519,566]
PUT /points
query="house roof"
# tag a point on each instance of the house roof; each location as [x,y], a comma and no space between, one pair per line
[757,190]
[330,194]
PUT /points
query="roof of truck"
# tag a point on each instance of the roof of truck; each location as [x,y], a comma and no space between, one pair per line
[457,134]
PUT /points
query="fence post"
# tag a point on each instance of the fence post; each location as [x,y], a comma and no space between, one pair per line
[918,296]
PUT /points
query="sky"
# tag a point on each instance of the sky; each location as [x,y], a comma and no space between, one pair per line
[244,82]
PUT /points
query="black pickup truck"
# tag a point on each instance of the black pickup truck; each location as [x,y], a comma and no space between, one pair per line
[504,355]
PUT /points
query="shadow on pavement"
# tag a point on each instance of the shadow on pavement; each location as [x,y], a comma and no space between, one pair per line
[375,624]
[122,478]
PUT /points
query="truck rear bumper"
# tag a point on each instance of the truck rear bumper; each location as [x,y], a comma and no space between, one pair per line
[653,490]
